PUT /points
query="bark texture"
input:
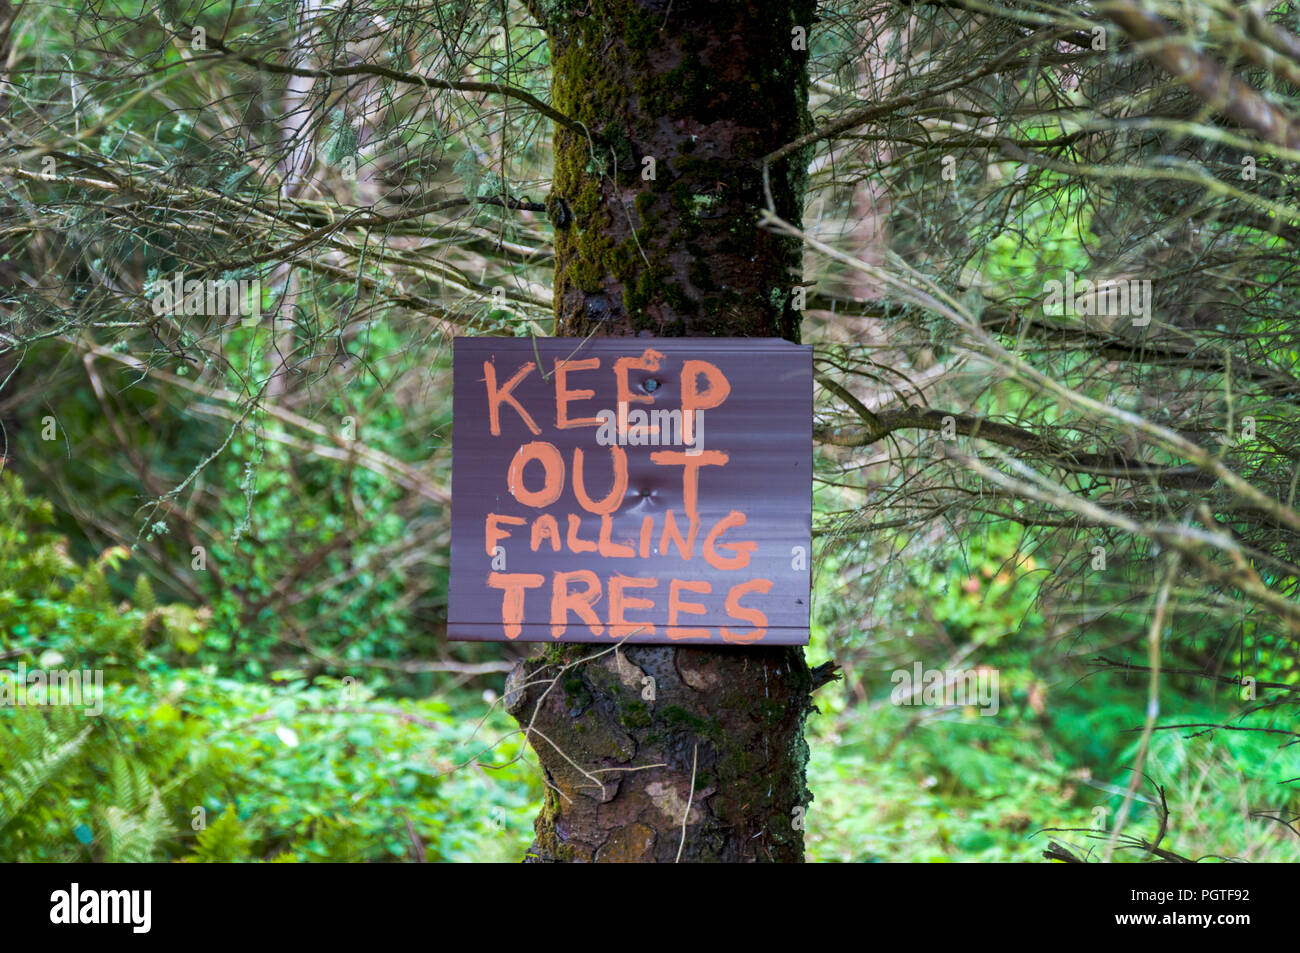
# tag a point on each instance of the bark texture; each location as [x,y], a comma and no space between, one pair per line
[712,767]
[704,90]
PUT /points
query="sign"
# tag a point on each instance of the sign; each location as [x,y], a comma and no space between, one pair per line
[653,490]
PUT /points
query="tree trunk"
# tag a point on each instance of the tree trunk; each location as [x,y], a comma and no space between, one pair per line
[656,220]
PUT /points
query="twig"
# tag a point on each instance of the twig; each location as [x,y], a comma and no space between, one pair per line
[1153,706]
[695,758]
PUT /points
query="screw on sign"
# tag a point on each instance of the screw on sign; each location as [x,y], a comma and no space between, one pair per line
[649,490]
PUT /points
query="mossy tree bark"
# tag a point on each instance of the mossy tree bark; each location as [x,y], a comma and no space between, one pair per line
[657,232]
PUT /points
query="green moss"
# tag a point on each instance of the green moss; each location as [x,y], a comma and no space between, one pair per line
[639,33]
[701,274]
[622,261]
[678,300]
[722,302]
[679,717]
[549,846]
[586,273]
[585,205]
[620,73]
[576,694]
[635,714]
[554,653]
[742,763]
[692,167]
[680,195]
[615,136]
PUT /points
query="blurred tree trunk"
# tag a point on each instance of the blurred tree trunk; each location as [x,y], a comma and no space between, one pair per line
[657,233]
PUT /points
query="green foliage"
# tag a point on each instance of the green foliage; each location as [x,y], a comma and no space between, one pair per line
[34,753]
[226,840]
[284,770]
[926,784]
[1048,236]
[960,787]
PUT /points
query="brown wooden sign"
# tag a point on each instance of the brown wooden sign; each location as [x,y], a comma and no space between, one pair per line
[640,489]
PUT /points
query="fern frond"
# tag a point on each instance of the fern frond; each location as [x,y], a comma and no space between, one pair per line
[21,782]
[133,838]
